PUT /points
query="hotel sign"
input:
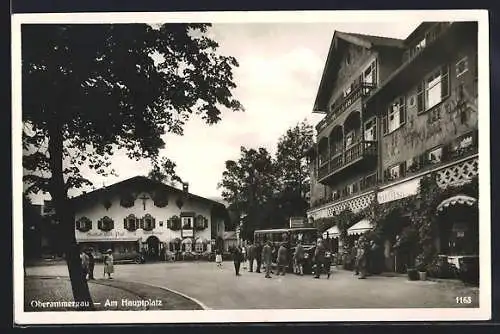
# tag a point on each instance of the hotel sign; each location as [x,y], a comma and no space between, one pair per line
[111,235]
[399,191]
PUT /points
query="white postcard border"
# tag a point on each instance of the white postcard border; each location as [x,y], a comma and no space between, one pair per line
[277,315]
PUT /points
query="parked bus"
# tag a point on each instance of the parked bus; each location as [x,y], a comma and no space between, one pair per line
[308,236]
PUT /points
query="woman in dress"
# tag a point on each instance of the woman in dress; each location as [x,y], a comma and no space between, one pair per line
[108,263]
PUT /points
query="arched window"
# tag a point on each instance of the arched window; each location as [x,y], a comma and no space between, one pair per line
[131,222]
[83,224]
[105,224]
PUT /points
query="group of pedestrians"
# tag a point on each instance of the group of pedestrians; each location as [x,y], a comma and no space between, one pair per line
[87,258]
[363,257]
[264,256]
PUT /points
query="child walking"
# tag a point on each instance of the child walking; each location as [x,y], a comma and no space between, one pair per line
[218,258]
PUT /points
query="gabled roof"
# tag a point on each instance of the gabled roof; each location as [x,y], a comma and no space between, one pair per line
[142,182]
[371,40]
[331,65]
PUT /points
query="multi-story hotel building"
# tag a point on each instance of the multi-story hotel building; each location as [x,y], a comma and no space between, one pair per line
[396,110]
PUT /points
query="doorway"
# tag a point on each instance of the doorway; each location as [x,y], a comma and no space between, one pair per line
[153,248]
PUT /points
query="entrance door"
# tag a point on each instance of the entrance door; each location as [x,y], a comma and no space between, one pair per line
[153,251]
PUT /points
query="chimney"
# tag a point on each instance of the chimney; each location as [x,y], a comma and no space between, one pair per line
[185,187]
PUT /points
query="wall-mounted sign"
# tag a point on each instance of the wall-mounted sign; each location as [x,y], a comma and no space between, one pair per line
[152,232]
[399,191]
[297,222]
[107,235]
[187,233]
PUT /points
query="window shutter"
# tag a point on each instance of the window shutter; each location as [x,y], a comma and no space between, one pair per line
[205,222]
[402,113]
[445,82]
[88,224]
[126,223]
[153,223]
[141,223]
[169,223]
[402,169]
[385,125]
[420,98]
[99,224]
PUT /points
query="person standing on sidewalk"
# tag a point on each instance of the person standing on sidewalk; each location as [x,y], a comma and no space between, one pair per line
[298,259]
[85,263]
[258,256]
[319,258]
[237,259]
[90,253]
[361,257]
[251,256]
[282,259]
[354,256]
[108,264]
[218,258]
[267,257]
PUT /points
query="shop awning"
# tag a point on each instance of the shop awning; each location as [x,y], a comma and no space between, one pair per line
[458,199]
[187,241]
[360,227]
[332,232]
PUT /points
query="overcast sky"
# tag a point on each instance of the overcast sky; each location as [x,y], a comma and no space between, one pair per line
[278,77]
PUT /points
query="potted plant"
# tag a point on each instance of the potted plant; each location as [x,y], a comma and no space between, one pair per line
[421,268]
[412,274]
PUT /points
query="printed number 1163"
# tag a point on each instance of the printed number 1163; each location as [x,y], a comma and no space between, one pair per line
[463,300]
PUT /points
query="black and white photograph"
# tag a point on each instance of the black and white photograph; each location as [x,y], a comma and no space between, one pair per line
[251,167]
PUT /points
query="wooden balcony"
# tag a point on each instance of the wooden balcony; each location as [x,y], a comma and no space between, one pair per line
[349,157]
[343,102]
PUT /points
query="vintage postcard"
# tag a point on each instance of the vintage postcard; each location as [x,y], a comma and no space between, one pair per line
[212,166]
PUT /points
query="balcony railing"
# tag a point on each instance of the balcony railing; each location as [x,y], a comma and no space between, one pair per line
[343,102]
[353,153]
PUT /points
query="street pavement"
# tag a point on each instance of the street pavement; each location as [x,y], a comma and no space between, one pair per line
[217,288]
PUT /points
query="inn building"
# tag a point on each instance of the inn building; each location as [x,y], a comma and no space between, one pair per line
[396,110]
[143,215]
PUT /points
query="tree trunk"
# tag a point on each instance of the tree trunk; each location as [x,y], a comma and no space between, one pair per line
[65,217]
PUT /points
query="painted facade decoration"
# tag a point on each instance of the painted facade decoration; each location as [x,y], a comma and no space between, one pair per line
[144,217]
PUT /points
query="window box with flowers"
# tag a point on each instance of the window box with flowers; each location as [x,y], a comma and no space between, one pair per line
[148,223]
[105,224]
[83,224]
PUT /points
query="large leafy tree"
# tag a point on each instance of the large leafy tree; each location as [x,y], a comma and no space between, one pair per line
[164,171]
[91,89]
[293,170]
[248,185]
